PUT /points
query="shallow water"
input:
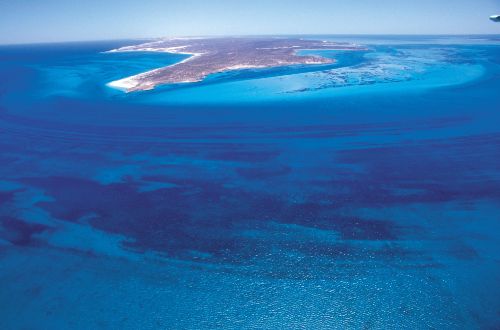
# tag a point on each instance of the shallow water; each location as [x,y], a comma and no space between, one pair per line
[359,195]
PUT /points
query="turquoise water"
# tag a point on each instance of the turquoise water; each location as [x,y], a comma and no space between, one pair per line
[359,195]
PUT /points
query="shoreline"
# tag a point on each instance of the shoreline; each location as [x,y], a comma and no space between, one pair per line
[127,83]
[221,55]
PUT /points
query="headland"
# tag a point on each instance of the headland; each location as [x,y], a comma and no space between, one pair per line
[216,55]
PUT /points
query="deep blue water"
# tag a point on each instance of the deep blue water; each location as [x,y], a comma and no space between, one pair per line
[361,195]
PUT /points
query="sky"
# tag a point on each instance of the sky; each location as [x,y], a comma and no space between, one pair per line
[24,21]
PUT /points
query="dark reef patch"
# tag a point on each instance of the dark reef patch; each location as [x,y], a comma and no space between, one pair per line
[19,232]
[462,251]
[429,170]
[165,220]
[253,173]
[5,197]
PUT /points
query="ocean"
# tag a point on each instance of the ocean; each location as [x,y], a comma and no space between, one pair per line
[359,195]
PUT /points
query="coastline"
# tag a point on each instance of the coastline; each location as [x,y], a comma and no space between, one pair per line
[213,56]
[128,83]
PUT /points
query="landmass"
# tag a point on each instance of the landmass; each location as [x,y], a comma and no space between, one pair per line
[216,55]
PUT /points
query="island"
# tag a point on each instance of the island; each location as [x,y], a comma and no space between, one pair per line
[216,55]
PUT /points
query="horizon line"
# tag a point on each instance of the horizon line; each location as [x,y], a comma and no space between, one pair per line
[250,35]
